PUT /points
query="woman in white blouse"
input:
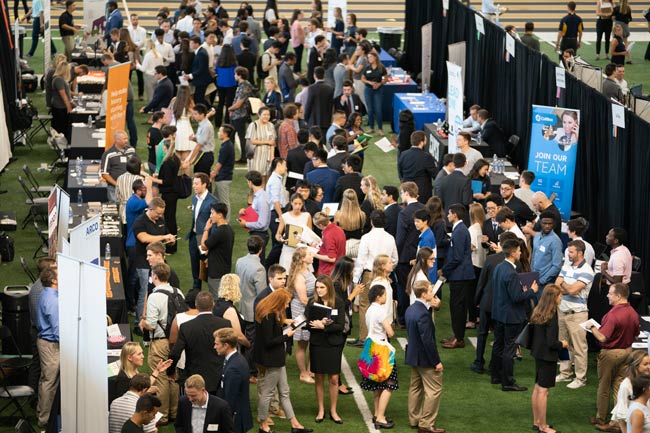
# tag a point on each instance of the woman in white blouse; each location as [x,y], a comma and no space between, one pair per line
[148,67]
[477,217]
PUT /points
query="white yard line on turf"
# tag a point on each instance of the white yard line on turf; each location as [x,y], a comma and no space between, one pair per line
[359,399]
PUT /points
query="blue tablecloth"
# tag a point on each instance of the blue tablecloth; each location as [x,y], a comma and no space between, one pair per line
[426,108]
[390,89]
[387,59]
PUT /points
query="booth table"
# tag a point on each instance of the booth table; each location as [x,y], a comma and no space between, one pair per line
[398,82]
[110,224]
[80,114]
[86,142]
[91,187]
[426,108]
[115,298]
[386,59]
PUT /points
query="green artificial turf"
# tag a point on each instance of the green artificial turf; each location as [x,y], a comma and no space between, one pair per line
[470,404]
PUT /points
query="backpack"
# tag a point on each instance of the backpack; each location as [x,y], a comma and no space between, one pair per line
[175,304]
[7,250]
[261,73]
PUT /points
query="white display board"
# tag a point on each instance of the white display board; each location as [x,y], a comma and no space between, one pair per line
[454,103]
[427,32]
[82,330]
[84,241]
[94,19]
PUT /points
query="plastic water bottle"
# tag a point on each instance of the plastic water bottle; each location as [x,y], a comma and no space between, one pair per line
[494,164]
[70,217]
[80,197]
[501,165]
[90,121]
[107,251]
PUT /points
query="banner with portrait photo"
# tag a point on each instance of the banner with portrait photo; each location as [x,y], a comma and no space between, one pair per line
[554,141]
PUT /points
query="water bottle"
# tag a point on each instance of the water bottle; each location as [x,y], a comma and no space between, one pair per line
[501,165]
[478,138]
[107,251]
[494,164]
[90,121]
[70,217]
[80,197]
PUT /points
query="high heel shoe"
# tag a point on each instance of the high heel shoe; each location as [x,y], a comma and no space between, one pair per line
[337,421]
[348,392]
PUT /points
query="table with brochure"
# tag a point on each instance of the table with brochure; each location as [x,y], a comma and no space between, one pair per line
[426,108]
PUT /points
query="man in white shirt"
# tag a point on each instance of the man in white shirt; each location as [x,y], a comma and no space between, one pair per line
[472,155]
[164,48]
[575,280]
[619,77]
[471,124]
[524,193]
[226,31]
[506,219]
[185,23]
[576,228]
[377,241]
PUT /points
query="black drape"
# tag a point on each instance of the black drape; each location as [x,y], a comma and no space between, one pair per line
[8,65]
[413,22]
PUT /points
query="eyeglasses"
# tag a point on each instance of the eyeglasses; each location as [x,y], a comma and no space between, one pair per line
[505,188]
[491,208]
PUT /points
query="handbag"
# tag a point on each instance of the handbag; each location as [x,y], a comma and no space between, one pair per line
[377,360]
[183,186]
[524,339]
[250,147]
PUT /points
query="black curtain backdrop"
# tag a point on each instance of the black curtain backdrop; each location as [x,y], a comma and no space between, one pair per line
[612,177]
[8,66]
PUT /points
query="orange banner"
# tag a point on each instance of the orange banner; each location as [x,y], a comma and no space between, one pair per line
[118,82]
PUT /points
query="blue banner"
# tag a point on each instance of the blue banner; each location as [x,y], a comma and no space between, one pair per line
[553,153]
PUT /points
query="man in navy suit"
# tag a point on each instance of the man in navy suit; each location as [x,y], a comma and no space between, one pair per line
[320,102]
[277,280]
[458,270]
[323,175]
[455,187]
[425,388]
[201,202]
[216,412]
[509,313]
[162,94]
[234,379]
[200,76]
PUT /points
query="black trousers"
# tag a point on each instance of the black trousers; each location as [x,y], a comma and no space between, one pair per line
[401,272]
[226,98]
[249,332]
[481,338]
[458,300]
[204,164]
[503,352]
[240,128]
[276,247]
[171,201]
[603,27]
[567,43]
[140,83]
[297,68]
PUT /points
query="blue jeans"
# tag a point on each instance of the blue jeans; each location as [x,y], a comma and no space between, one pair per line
[143,279]
[130,124]
[373,104]
[36,33]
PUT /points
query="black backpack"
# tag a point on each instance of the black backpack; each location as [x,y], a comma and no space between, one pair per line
[261,73]
[175,304]
[7,250]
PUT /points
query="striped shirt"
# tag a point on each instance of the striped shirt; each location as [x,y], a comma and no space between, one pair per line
[122,408]
[114,161]
[571,274]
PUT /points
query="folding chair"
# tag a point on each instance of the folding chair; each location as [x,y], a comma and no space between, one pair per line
[36,188]
[42,249]
[23,426]
[59,144]
[10,370]
[28,271]
[42,123]
[37,205]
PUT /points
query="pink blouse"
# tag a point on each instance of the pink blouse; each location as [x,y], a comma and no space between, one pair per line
[297,34]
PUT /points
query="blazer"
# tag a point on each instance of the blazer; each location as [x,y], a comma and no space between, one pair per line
[458,265]
[201,67]
[196,338]
[454,188]
[509,298]
[407,235]
[235,391]
[320,100]
[357,105]
[296,160]
[421,350]
[416,165]
[332,335]
[546,341]
[336,162]
[162,95]
[313,59]
[325,177]
[492,134]
[263,294]
[352,181]
[269,348]
[522,212]
[391,212]
[488,230]
[253,281]
[202,217]
[483,295]
[217,413]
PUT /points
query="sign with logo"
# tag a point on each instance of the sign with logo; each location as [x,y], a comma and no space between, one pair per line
[454,103]
[84,241]
[553,153]
[118,89]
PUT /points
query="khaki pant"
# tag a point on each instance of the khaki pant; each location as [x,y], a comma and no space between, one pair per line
[48,352]
[168,394]
[364,305]
[68,46]
[571,331]
[425,391]
[611,371]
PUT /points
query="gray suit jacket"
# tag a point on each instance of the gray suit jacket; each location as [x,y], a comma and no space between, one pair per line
[253,280]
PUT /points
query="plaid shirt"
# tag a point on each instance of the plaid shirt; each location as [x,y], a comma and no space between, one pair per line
[287,137]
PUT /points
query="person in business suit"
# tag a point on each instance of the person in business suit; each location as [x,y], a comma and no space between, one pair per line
[509,313]
[389,196]
[458,270]
[218,414]
[425,389]
[492,134]
[351,179]
[315,58]
[483,298]
[406,238]
[456,187]
[447,166]
[491,229]
[200,76]
[349,102]
[234,379]
[195,337]
[416,165]
[545,345]
[162,93]
[201,202]
[323,175]
[320,101]
[340,147]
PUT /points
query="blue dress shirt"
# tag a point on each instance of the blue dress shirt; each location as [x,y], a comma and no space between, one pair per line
[47,315]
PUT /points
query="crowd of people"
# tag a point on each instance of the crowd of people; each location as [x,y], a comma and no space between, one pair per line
[325,241]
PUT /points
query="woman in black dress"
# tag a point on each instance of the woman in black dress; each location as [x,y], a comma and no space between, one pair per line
[170,169]
[545,346]
[326,343]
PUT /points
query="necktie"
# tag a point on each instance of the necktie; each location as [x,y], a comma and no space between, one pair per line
[495,226]
[349,106]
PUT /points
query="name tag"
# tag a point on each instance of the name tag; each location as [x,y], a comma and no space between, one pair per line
[213,427]
[123,159]
[369,71]
[335,312]
[542,248]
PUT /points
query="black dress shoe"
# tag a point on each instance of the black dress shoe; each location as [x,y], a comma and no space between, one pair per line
[348,392]
[495,381]
[301,430]
[374,419]
[514,387]
[337,421]
[385,425]
[477,368]
[270,430]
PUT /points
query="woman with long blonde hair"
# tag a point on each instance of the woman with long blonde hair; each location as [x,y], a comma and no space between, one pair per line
[224,305]
[61,101]
[181,106]
[350,217]
[300,284]
[272,97]
[131,360]
[373,198]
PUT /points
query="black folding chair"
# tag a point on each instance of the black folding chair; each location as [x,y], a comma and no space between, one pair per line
[42,249]
[11,370]
[28,271]
[37,205]
[24,426]
[36,188]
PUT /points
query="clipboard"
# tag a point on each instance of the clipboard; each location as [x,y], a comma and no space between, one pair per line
[256,104]
[294,234]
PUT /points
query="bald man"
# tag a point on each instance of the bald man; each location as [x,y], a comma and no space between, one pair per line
[541,203]
[113,162]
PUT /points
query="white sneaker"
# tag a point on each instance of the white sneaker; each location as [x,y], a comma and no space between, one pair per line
[575,384]
[562,378]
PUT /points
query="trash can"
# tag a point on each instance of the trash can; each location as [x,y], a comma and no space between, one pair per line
[15,316]
[390,37]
